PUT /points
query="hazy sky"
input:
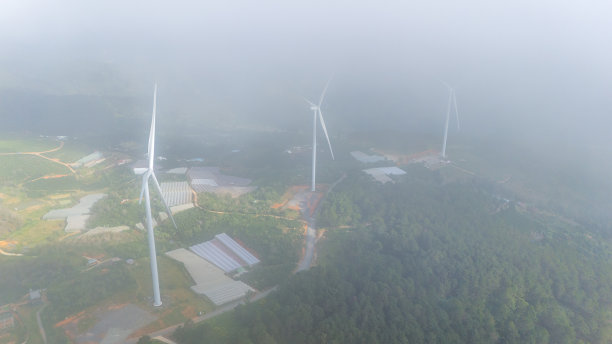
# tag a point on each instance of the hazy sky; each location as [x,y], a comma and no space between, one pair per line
[513,63]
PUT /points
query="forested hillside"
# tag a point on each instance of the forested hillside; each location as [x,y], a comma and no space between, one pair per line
[427,262]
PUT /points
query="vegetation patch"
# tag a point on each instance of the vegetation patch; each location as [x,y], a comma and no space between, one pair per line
[431,262]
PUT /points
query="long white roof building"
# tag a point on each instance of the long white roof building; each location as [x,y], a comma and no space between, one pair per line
[225,253]
[240,251]
[215,255]
[210,281]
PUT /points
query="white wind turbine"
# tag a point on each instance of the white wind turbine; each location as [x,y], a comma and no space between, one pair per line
[316,109]
[145,192]
[452,100]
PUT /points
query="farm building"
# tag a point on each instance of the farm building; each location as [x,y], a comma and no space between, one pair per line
[89,160]
[176,193]
[177,170]
[225,253]
[216,255]
[35,296]
[360,156]
[210,179]
[210,280]
[381,174]
[202,173]
[235,247]
[202,182]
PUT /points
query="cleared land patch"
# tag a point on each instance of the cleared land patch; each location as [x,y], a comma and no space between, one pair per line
[114,325]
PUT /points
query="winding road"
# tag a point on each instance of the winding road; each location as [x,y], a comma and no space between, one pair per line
[41,328]
[4,253]
[40,155]
[311,231]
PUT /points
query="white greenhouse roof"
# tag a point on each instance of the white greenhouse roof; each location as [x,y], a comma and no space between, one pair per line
[240,251]
[363,157]
[210,280]
[83,207]
[382,174]
[225,253]
[176,193]
[215,255]
[178,170]
[204,181]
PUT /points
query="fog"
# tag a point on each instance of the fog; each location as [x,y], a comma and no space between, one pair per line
[504,239]
[520,69]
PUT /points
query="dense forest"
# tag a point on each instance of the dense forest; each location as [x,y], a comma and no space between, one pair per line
[421,261]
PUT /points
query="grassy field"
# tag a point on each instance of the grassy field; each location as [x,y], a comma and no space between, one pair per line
[29,184]
[35,231]
[71,151]
[17,169]
[15,145]
[63,184]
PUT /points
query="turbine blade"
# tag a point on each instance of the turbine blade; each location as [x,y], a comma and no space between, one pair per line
[152,132]
[147,199]
[309,102]
[324,91]
[446,84]
[448,111]
[456,110]
[145,181]
[326,136]
[162,198]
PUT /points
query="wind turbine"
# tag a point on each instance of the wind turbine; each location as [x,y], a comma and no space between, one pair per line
[452,100]
[150,174]
[316,109]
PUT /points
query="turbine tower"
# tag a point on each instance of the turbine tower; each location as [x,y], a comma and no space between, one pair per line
[150,174]
[316,109]
[452,100]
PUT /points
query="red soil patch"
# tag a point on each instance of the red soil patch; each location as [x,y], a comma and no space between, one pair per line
[314,201]
[73,319]
[54,176]
[7,243]
[119,306]
[288,195]
[423,154]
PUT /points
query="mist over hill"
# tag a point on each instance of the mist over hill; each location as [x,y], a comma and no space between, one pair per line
[518,69]
[506,240]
